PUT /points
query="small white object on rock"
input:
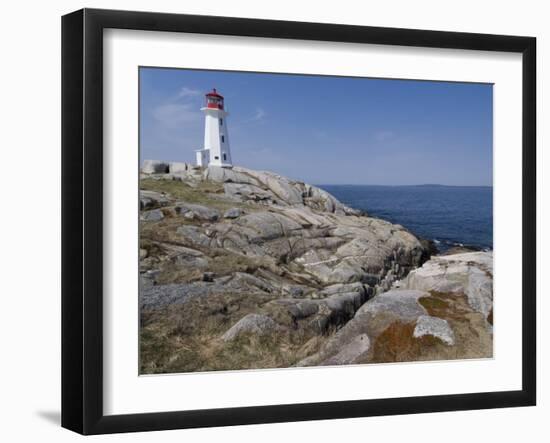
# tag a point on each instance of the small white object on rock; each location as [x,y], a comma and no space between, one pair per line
[438,327]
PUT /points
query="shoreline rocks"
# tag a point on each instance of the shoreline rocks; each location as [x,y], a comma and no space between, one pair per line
[236,257]
[468,273]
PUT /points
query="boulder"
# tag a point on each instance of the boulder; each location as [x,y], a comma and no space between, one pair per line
[152,215]
[470,274]
[251,324]
[152,199]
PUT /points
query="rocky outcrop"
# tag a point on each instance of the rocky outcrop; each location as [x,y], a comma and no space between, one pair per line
[243,261]
[352,343]
[470,274]
[317,315]
[329,248]
[443,310]
[270,188]
[302,229]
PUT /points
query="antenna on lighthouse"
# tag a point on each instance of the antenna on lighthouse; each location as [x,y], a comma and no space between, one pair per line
[216,151]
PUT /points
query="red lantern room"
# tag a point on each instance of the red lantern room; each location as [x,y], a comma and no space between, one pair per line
[214,100]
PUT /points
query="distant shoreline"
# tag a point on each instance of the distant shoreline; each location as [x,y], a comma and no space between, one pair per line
[428,185]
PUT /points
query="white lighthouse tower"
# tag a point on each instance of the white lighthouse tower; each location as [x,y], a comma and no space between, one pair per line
[216,138]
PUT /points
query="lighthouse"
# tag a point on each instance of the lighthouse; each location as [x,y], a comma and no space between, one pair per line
[216,138]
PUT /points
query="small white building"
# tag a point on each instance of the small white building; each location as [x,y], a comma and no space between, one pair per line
[216,150]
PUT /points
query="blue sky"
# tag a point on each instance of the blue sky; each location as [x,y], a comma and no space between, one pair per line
[327,130]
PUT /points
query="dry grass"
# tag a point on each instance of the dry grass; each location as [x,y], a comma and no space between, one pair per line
[181,190]
[220,262]
[164,231]
[153,249]
[224,263]
[186,338]
[205,193]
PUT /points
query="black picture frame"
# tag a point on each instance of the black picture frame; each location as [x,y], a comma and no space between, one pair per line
[82,217]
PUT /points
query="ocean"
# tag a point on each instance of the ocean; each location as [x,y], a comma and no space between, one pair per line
[448,215]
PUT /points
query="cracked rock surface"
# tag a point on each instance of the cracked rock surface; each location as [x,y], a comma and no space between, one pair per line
[249,269]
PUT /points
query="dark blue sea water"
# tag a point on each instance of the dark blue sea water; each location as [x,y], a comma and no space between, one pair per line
[449,215]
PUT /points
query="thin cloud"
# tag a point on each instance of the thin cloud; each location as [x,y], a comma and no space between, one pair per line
[178,110]
[258,115]
[173,114]
[188,92]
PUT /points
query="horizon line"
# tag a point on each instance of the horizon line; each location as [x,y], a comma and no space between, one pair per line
[408,185]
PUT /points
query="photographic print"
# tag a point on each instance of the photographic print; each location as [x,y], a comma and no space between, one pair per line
[292,220]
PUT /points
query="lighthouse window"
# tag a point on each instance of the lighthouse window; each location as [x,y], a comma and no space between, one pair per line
[224,157]
[216,158]
[221,121]
[223,139]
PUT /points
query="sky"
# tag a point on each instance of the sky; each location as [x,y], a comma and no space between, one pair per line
[326,130]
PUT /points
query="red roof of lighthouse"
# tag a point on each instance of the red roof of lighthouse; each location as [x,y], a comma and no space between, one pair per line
[214,94]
